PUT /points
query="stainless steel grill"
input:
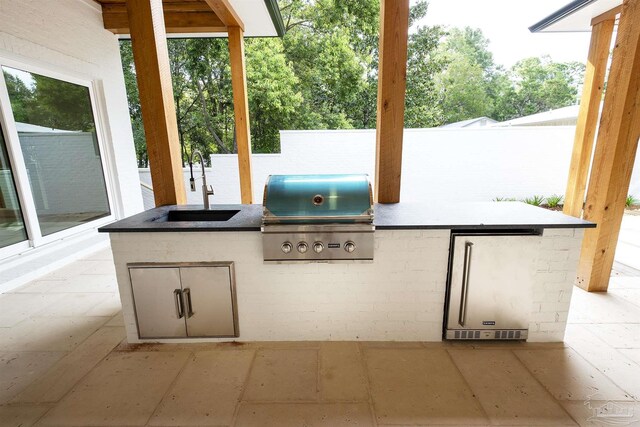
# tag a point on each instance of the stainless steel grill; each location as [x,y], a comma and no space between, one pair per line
[317,218]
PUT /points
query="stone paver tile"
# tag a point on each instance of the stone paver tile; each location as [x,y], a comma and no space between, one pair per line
[342,375]
[14,308]
[39,286]
[110,306]
[74,304]
[207,390]
[420,386]
[568,376]
[49,333]
[122,390]
[304,414]
[631,354]
[506,390]
[599,307]
[117,320]
[618,335]
[602,413]
[57,381]
[624,372]
[21,415]
[18,370]
[282,375]
[88,283]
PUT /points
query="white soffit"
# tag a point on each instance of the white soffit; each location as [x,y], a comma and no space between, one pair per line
[574,17]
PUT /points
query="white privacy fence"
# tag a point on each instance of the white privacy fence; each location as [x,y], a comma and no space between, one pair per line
[437,164]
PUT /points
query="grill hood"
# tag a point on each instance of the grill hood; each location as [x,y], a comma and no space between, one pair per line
[318,198]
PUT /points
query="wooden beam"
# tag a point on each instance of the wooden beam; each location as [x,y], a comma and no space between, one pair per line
[392,78]
[588,117]
[609,15]
[226,12]
[615,152]
[116,20]
[241,111]
[149,45]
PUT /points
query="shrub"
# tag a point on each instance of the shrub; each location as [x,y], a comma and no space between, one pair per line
[554,200]
[535,200]
[630,201]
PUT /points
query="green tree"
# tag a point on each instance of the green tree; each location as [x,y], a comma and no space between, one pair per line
[539,84]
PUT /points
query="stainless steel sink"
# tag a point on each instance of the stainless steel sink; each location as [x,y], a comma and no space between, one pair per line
[201,215]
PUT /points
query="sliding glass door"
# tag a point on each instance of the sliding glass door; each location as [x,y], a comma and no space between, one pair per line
[55,185]
[57,133]
[12,228]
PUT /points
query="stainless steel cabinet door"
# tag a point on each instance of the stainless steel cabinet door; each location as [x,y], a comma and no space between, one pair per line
[209,303]
[496,292]
[157,299]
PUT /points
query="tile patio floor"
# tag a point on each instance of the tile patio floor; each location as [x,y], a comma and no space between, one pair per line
[63,362]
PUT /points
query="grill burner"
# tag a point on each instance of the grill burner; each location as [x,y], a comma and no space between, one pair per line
[317,218]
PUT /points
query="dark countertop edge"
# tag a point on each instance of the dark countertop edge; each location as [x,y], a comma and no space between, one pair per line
[378,227]
[481,226]
[250,219]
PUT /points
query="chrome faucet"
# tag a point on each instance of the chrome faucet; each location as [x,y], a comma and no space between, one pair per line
[206,190]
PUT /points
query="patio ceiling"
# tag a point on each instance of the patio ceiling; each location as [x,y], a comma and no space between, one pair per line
[576,16]
[206,18]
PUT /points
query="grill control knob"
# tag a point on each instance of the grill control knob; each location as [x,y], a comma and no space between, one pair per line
[286,247]
[318,247]
[349,246]
[302,247]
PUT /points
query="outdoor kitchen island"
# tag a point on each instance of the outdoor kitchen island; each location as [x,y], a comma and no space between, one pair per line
[399,296]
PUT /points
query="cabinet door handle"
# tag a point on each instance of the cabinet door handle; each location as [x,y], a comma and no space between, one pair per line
[465,283]
[189,306]
[177,295]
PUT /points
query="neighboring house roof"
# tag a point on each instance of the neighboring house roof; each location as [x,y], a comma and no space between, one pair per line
[565,116]
[471,123]
[29,128]
[574,17]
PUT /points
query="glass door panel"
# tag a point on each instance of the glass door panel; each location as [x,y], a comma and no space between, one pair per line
[12,228]
[57,135]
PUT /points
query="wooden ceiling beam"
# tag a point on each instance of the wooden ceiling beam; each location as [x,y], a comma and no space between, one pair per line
[241,111]
[116,20]
[392,79]
[151,57]
[614,154]
[226,12]
[588,115]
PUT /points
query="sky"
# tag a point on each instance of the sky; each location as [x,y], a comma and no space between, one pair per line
[505,23]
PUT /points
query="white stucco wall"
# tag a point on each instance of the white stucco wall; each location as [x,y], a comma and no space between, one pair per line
[438,164]
[67,37]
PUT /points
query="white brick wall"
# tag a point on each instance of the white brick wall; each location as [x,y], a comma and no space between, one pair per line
[399,296]
[554,281]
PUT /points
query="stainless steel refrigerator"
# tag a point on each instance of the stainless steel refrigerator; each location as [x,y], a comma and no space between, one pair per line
[490,285]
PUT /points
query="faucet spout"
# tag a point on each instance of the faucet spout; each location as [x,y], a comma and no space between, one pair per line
[207,190]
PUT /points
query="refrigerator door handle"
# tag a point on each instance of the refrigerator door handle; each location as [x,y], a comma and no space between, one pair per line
[465,283]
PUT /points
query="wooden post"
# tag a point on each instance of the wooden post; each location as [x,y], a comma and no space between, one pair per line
[615,152]
[588,116]
[392,78]
[149,45]
[241,110]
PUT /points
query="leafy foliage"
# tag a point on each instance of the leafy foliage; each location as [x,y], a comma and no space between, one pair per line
[534,200]
[630,201]
[323,74]
[554,200]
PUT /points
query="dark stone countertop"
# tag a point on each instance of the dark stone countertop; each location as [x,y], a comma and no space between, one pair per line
[406,215]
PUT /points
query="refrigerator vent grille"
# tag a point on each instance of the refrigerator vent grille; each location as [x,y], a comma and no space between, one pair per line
[500,334]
